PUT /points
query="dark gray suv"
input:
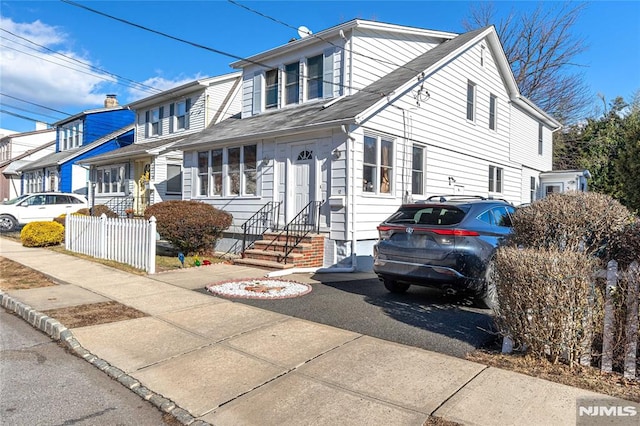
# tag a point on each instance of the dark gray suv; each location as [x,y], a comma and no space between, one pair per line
[446,242]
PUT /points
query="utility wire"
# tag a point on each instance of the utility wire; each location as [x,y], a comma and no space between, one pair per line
[22,116]
[200,46]
[379,60]
[138,85]
[32,103]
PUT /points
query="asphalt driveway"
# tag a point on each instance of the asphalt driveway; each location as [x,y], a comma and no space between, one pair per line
[422,317]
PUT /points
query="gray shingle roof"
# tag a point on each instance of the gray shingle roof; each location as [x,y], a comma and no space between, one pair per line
[133,150]
[315,114]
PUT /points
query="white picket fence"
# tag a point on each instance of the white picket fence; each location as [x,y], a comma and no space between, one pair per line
[129,241]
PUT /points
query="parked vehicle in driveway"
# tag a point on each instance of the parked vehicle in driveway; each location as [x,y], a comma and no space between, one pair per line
[446,242]
[41,206]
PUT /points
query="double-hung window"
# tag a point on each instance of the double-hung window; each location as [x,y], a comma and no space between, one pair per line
[540,139]
[417,170]
[181,115]
[228,172]
[493,111]
[271,89]
[155,122]
[471,101]
[533,188]
[314,77]
[495,178]
[110,179]
[377,165]
[292,83]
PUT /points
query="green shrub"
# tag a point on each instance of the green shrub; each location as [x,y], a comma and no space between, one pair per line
[191,226]
[42,234]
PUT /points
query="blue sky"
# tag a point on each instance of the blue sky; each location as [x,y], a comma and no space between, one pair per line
[611,65]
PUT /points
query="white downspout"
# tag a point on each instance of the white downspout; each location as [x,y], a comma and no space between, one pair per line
[350,152]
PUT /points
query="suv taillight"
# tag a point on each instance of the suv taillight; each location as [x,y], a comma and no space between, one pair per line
[386,232]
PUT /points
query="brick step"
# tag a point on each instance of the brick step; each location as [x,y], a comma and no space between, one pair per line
[271,255]
[280,245]
[263,263]
[307,239]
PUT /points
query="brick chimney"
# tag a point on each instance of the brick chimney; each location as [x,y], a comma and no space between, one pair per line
[111,101]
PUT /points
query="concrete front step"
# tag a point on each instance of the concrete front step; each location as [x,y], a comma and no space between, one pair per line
[271,255]
[307,239]
[279,246]
[263,263]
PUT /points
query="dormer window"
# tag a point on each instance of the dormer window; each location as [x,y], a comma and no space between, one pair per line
[271,89]
[314,77]
[292,83]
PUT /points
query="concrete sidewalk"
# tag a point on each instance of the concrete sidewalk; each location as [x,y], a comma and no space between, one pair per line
[209,360]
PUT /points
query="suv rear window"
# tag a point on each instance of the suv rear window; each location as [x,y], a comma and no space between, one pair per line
[428,215]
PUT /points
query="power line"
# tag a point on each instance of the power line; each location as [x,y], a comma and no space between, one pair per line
[80,62]
[32,103]
[309,33]
[207,48]
[26,110]
[23,116]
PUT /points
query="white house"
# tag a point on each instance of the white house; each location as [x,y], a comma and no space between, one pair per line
[151,167]
[17,150]
[362,117]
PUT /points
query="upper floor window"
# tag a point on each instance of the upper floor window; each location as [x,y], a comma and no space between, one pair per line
[417,170]
[471,101]
[314,77]
[181,115]
[495,178]
[493,111]
[271,89]
[540,139]
[377,170]
[155,122]
[70,135]
[292,83]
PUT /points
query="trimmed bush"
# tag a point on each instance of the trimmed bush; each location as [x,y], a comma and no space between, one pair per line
[62,219]
[543,298]
[101,209]
[192,227]
[42,234]
[583,222]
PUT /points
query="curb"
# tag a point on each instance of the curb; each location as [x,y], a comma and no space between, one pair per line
[57,331]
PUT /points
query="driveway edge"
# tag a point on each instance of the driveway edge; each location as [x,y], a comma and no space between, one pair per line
[57,331]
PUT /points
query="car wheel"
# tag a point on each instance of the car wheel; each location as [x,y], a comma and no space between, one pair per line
[395,286]
[7,223]
[489,296]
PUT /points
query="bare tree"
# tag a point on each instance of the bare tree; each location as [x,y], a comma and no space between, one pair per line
[542,48]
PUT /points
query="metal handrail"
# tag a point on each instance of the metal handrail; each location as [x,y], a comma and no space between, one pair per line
[307,220]
[264,219]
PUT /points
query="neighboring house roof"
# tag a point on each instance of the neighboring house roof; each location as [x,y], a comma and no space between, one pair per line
[86,112]
[19,135]
[27,153]
[14,167]
[135,150]
[358,107]
[182,90]
[64,156]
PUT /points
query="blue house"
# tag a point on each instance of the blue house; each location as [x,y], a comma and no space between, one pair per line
[84,135]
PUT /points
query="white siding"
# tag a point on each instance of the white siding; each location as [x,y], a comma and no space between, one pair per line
[375,54]
[524,141]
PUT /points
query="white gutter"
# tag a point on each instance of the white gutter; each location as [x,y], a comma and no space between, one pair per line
[350,150]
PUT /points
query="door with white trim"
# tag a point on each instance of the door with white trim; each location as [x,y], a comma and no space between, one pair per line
[303,176]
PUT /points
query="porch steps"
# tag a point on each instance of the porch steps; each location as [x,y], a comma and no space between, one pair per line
[263,263]
[269,252]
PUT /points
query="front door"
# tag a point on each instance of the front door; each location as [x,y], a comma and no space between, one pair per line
[303,174]
[141,185]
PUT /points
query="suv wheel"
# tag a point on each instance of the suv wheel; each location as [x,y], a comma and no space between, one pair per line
[7,223]
[395,286]
[489,296]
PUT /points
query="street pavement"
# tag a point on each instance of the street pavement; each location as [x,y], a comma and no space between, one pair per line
[209,360]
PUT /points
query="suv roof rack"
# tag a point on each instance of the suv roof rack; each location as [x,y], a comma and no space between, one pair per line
[443,198]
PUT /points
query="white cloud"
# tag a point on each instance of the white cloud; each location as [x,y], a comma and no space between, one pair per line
[160,83]
[56,80]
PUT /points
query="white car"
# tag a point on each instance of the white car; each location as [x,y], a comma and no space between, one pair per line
[41,206]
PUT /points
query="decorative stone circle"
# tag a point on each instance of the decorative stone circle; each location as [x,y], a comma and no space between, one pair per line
[259,288]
